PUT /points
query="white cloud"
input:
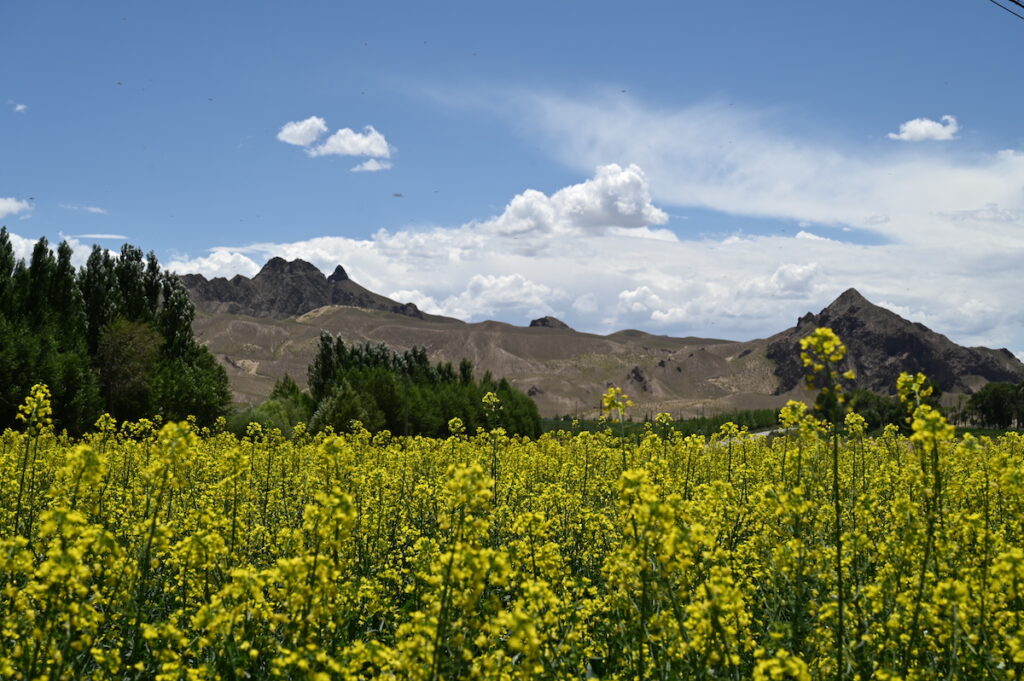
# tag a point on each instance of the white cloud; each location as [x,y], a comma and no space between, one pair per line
[486,295]
[640,299]
[419,299]
[112,237]
[95,210]
[23,247]
[615,198]
[794,279]
[789,280]
[221,262]
[371,166]
[10,206]
[810,236]
[302,133]
[585,304]
[902,310]
[21,108]
[347,142]
[924,129]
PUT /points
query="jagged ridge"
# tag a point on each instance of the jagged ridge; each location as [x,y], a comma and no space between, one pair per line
[288,289]
[881,344]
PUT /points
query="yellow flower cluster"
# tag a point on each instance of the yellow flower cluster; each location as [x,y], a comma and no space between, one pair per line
[164,552]
[615,402]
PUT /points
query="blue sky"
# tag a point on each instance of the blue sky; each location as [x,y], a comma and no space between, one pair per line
[684,168]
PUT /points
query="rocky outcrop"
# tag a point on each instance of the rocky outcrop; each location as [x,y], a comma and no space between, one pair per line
[549,323]
[285,289]
[881,344]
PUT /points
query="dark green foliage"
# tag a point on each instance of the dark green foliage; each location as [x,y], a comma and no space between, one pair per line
[115,335]
[407,394]
[34,355]
[287,406]
[878,410]
[998,405]
[342,406]
[752,419]
[127,358]
[193,384]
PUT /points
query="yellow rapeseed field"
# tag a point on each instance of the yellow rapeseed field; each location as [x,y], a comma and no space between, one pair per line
[145,551]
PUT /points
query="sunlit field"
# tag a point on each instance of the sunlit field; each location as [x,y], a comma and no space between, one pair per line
[170,552]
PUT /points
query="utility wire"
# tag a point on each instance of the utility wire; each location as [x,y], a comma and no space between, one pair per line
[1004,7]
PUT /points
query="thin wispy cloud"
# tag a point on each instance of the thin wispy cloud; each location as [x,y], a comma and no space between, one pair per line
[925,129]
[103,237]
[95,210]
[20,108]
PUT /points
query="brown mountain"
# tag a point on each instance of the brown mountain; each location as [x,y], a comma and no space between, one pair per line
[285,289]
[881,344]
[265,327]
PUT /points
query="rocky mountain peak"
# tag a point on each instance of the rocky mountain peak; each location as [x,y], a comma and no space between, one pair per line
[278,265]
[285,288]
[881,345]
[549,322]
[339,274]
[850,298]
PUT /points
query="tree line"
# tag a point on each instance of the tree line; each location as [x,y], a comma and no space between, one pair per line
[403,393]
[997,405]
[112,336]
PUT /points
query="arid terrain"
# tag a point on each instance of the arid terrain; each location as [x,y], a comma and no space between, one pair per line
[267,326]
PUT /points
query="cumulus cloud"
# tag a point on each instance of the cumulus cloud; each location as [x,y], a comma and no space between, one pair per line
[11,206]
[347,142]
[924,129]
[302,133]
[344,142]
[371,166]
[221,262]
[615,198]
[640,299]
[20,108]
[487,295]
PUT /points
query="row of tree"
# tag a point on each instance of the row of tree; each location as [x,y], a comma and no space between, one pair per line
[997,405]
[401,392]
[112,336]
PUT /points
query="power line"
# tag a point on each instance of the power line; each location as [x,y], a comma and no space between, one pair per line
[1004,7]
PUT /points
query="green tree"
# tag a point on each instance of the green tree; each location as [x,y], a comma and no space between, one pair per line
[127,358]
[194,384]
[996,405]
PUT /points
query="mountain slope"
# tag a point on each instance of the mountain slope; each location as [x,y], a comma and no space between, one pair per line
[881,344]
[265,327]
